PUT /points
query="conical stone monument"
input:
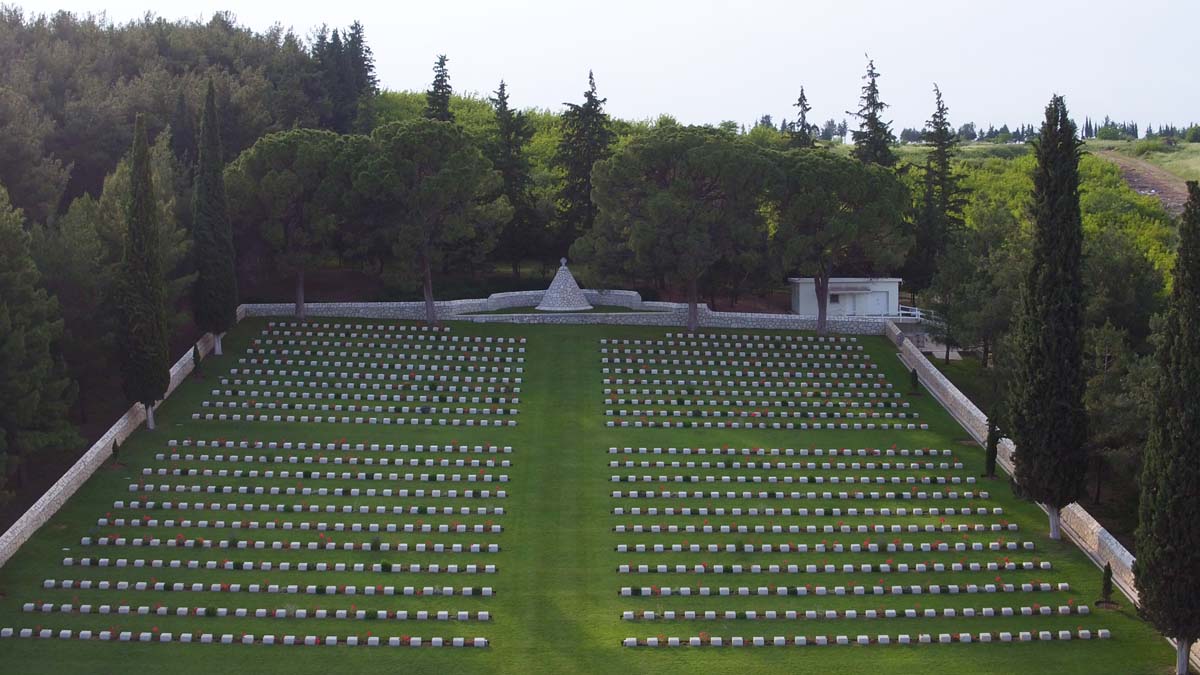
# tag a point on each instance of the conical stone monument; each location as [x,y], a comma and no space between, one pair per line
[564,294]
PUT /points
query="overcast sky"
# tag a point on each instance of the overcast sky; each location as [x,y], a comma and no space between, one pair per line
[713,60]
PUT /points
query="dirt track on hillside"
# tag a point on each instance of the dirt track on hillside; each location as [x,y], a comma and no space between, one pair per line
[1149,179]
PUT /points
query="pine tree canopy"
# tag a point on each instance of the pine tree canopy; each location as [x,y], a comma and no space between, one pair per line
[939,214]
[214,295]
[141,291]
[1049,421]
[521,235]
[587,138]
[437,99]
[874,138]
[1167,569]
[35,392]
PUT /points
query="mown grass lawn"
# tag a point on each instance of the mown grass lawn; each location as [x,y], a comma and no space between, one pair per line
[557,609]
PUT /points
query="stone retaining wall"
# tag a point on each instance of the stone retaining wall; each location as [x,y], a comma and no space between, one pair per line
[1079,525]
[58,494]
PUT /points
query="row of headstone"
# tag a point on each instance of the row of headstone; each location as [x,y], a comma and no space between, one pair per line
[760,425]
[737,373]
[911,528]
[322,396]
[849,590]
[787,452]
[842,528]
[367,365]
[243,639]
[342,446]
[290,589]
[801,480]
[768,366]
[382,357]
[761,337]
[913,494]
[331,419]
[781,465]
[895,546]
[816,386]
[864,640]
[260,544]
[803,512]
[328,475]
[769,413]
[866,568]
[699,401]
[314,508]
[335,325]
[838,614]
[739,351]
[455,343]
[337,407]
[372,386]
[391,526]
[267,566]
[324,459]
[769,393]
[260,612]
[377,377]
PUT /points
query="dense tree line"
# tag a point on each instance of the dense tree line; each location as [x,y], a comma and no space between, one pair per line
[70,87]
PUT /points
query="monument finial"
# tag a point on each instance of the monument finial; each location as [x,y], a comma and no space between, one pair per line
[563,261]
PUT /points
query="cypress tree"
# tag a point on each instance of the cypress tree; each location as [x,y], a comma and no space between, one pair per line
[141,294]
[35,392]
[874,139]
[214,295]
[1167,569]
[437,99]
[1049,421]
[587,138]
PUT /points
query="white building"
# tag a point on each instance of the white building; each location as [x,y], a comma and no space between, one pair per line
[848,297]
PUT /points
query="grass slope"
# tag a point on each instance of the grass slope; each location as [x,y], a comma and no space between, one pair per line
[557,608]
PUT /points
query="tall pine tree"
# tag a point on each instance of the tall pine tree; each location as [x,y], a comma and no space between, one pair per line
[437,99]
[939,214]
[141,292]
[35,392]
[802,133]
[1049,421]
[214,295]
[520,235]
[1167,569]
[874,139]
[587,138]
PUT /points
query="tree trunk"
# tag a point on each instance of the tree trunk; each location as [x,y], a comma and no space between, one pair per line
[987,352]
[1055,529]
[217,351]
[516,268]
[821,286]
[693,318]
[1099,477]
[946,359]
[430,308]
[300,309]
[149,415]
[1183,648]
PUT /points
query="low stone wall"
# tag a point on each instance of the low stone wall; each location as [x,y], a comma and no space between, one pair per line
[62,490]
[651,314]
[1079,525]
